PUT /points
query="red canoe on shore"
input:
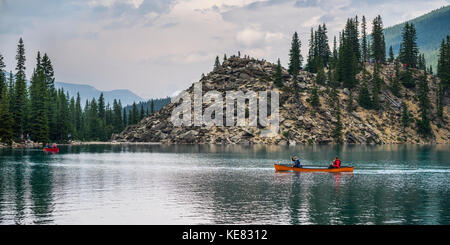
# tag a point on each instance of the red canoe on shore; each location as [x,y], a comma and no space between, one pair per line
[52,150]
[279,167]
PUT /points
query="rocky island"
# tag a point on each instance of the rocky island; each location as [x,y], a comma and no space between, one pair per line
[301,122]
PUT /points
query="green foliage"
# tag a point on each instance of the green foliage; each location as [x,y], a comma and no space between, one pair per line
[349,54]
[6,118]
[20,97]
[39,129]
[217,63]
[47,114]
[320,79]
[278,77]
[319,50]
[409,50]
[391,54]
[337,130]
[364,96]
[378,41]
[364,47]
[295,57]
[395,82]
[444,64]
[431,28]
[314,97]
[406,116]
[376,88]
[2,75]
[407,79]
[423,125]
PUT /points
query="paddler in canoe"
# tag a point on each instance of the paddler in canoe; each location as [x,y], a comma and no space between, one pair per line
[296,161]
[336,163]
[297,167]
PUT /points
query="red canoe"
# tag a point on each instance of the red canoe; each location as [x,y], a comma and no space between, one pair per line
[53,150]
[279,167]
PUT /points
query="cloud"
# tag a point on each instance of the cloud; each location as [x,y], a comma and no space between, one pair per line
[249,36]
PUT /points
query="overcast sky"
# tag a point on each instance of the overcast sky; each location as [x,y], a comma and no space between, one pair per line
[157,47]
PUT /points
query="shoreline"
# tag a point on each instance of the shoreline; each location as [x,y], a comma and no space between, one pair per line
[79,143]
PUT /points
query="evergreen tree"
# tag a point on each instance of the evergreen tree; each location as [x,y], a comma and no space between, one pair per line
[78,117]
[444,64]
[217,63]
[364,48]
[10,91]
[278,77]
[396,81]
[101,107]
[117,116]
[311,59]
[391,55]
[364,96]
[320,78]
[20,102]
[62,125]
[125,118]
[94,122]
[323,46]
[406,117]
[142,112]
[39,130]
[3,82]
[152,107]
[337,131]
[6,118]
[423,125]
[224,57]
[408,47]
[407,79]
[295,57]
[314,97]
[348,55]
[378,42]
[48,72]
[134,114]
[421,64]
[376,88]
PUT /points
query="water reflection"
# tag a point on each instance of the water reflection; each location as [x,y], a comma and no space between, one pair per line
[220,184]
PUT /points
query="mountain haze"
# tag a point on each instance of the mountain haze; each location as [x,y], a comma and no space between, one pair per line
[87,92]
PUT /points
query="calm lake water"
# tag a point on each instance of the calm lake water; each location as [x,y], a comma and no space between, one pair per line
[183,184]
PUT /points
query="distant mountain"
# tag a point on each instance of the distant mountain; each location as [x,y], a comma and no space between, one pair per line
[88,92]
[431,29]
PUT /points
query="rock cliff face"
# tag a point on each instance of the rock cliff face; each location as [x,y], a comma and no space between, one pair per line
[300,123]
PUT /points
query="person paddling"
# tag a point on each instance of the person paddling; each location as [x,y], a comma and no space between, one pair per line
[296,161]
[336,163]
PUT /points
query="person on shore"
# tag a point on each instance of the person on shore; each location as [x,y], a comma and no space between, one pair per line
[336,163]
[296,161]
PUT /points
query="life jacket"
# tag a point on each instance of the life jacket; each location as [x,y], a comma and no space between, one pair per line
[337,163]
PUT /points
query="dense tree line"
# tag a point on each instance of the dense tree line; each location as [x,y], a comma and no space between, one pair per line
[41,113]
[350,56]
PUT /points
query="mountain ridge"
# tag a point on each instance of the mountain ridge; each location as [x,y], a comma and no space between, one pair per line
[431,28]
